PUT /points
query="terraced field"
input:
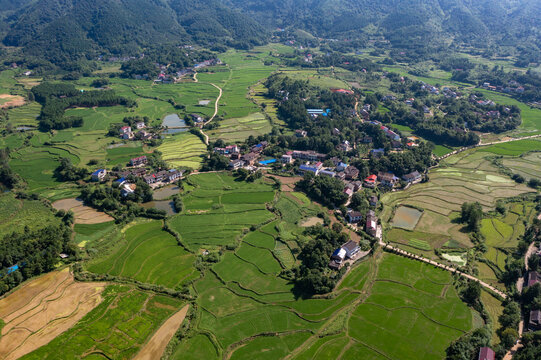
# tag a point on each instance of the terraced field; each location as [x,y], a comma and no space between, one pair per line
[529,165]
[219,208]
[150,255]
[239,129]
[183,150]
[117,328]
[468,177]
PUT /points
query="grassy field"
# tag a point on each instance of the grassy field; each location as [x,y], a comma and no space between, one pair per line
[513,148]
[183,150]
[465,177]
[149,255]
[117,328]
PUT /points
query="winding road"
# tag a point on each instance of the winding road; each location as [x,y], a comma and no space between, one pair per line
[215,112]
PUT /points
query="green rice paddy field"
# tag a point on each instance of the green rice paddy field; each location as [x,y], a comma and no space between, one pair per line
[183,150]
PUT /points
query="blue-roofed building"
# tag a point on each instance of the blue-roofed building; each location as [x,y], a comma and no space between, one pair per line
[309,168]
[328,173]
[13,269]
[99,175]
[267,162]
[120,181]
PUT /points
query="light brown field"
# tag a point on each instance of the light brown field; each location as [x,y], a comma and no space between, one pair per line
[83,214]
[13,101]
[42,309]
[312,221]
[155,347]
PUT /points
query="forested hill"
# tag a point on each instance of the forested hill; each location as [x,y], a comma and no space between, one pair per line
[66,31]
[63,30]
[403,20]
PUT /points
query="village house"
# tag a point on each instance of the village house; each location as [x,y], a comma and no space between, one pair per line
[351,172]
[197,118]
[357,185]
[141,160]
[371,223]
[99,175]
[377,153]
[352,249]
[370,181]
[236,164]
[315,168]
[143,135]
[126,133]
[486,353]
[412,178]
[354,216]
[535,320]
[533,278]
[367,140]
[300,133]
[309,155]
[337,257]
[174,175]
[140,125]
[373,200]
[328,173]
[128,189]
[349,189]
[387,179]
[132,172]
[250,158]
[287,159]
[341,166]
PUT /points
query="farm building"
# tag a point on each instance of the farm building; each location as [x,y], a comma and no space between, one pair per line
[339,255]
[236,164]
[486,353]
[371,223]
[267,162]
[351,172]
[287,159]
[99,175]
[250,158]
[126,133]
[328,173]
[174,175]
[197,118]
[310,168]
[387,179]
[373,200]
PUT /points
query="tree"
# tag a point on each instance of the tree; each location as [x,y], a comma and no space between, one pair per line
[472,214]
[472,293]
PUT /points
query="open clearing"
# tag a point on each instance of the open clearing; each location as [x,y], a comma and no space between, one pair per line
[83,214]
[42,309]
[157,344]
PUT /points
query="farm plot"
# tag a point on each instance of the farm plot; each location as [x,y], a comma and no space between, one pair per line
[19,214]
[239,129]
[150,255]
[183,150]
[83,214]
[406,217]
[529,165]
[219,208]
[117,328]
[413,311]
[42,309]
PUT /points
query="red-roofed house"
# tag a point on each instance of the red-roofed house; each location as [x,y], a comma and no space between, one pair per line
[370,181]
[486,353]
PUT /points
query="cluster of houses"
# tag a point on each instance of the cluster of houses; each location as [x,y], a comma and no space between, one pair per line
[248,160]
[165,78]
[511,87]
[138,171]
[534,277]
[140,132]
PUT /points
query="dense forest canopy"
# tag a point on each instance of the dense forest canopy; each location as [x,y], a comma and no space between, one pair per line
[68,31]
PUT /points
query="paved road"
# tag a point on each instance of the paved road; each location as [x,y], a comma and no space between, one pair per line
[442,266]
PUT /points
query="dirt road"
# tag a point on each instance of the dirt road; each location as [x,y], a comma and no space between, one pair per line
[215,112]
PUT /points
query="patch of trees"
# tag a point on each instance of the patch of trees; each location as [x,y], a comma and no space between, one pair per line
[66,171]
[99,83]
[468,345]
[34,252]
[246,175]
[8,177]
[178,204]
[472,214]
[327,190]
[314,276]
[215,162]
[123,208]
[56,98]
[531,347]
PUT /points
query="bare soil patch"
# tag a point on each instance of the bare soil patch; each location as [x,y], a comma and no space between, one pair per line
[13,101]
[312,221]
[83,214]
[155,347]
[42,309]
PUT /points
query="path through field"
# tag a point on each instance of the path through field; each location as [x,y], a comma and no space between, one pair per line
[216,104]
[155,347]
[42,309]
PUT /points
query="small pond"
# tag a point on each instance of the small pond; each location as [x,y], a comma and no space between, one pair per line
[166,205]
[173,121]
[165,192]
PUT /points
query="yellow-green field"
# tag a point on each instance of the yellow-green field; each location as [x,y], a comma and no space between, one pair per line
[183,150]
